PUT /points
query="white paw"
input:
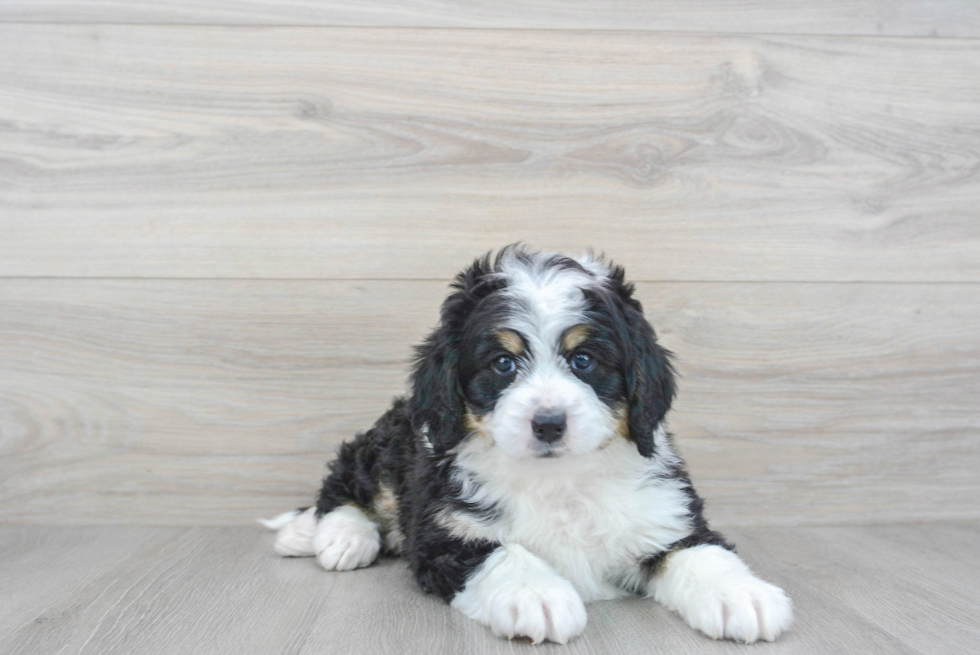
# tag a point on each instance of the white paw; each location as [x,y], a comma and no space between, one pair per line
[716,593]
[746,611]
[346,539]
[540,610]
[517,594]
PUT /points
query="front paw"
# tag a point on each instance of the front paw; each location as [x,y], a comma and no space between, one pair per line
[716,593]
[517,594]
[540,610]
[746,610]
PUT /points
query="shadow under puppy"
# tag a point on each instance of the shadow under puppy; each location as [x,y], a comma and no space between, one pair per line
[530,470]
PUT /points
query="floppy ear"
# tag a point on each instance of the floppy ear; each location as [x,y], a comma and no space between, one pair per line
[648,372]
[437,401]
[437,397]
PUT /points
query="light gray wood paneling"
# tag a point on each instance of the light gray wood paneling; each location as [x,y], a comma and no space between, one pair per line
[874,17]
[181,402]
[372,153]
[897,589]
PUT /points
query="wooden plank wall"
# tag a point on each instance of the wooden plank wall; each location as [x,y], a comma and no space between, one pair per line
[223,224]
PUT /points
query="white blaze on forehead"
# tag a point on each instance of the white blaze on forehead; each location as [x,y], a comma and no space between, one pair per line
[549,298]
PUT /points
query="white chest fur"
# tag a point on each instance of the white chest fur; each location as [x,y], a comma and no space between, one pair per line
[592,517]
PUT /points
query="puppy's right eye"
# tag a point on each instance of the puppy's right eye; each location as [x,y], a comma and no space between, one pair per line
[504,365]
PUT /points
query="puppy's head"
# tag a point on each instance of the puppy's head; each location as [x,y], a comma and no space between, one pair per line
[543,356]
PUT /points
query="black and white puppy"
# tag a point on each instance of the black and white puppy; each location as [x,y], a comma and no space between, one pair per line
[530,470]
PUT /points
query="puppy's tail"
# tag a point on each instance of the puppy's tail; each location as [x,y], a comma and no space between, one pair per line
[295,532]
[281,520]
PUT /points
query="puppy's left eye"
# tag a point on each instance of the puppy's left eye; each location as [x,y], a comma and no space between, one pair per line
[504,365]
[582,362]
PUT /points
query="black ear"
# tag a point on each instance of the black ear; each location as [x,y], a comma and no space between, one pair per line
[436,402]
[648,373]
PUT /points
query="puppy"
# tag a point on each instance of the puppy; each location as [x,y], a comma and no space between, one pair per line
[530,470]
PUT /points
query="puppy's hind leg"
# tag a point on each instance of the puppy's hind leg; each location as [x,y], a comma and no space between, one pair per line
[294,532]
[347,534]
[346,539]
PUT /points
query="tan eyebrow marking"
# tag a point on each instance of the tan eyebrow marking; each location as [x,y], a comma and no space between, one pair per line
[574,336]
[511,342]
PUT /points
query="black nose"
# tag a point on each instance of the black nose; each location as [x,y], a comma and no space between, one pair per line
[548,426]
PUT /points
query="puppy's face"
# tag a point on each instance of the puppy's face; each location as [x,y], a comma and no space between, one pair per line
[540,372]
[543,356]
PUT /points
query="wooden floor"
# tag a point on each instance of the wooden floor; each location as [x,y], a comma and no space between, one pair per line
[135,591]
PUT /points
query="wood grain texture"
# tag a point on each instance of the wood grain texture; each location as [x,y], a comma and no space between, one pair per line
[853,17]
[376,153]
[874,590]
[44,567]
[178,402]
